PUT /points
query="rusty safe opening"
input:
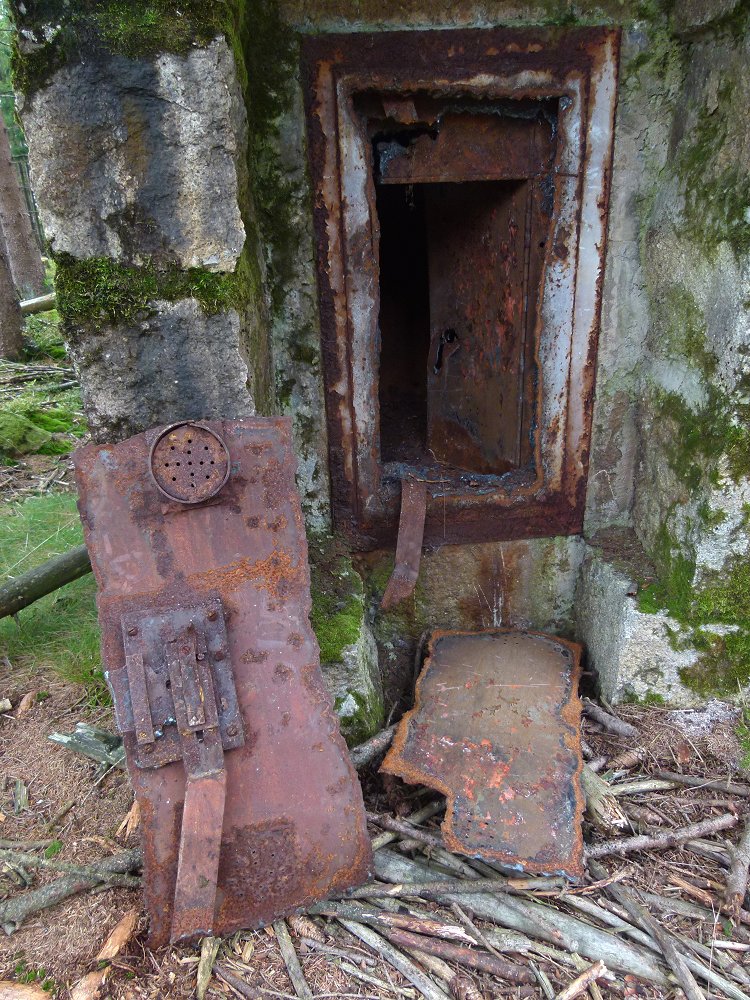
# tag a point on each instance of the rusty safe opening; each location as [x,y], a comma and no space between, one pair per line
[463,226]
[461,185]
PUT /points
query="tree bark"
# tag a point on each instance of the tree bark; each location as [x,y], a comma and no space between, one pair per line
[29,587]
[24,255]
[11,338]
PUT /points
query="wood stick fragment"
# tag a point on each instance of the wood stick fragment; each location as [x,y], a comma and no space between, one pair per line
[541,922]
[429,890]
[426,986]
[471,957]
[426,812]
[39,861]
[715,785]
[661,841]
[736,887]
[610,722]
[402,921]
[236,982]
[582,982]
[366,752]
[406,829]
[669,949]
[602,808]
[14,911]
[291,961]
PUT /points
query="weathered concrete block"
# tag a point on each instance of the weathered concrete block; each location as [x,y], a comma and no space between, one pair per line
[631,651]
[355,685]
[176,364]
[140,159]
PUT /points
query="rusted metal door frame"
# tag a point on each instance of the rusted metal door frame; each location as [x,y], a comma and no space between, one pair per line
[579,68]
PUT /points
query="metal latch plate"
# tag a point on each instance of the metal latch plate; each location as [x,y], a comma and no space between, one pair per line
[173,658]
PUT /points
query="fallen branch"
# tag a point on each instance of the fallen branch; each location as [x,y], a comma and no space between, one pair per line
[534,919]
[431,809]
[610,722]
[291,961]
[429,890]
[672,954]
[602,807]
[42,303]
[582,983]
[14,911]
[736,887]
[51,575]
[474,959]
[406,829]
[401,921]
[236,982]
[426,986]
[39,861]
[368,751]
[661,841]
[690,781]
[97,744]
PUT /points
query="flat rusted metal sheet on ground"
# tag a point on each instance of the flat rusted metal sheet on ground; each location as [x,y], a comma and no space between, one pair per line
[209,603]
[496,729]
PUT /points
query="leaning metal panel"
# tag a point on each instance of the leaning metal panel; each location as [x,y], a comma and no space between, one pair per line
[496,728]
[294,828]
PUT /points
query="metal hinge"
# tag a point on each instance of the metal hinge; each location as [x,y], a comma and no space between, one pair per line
[176,698]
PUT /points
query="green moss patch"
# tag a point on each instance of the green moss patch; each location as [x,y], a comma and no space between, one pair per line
[132,28]
[100,287]
[337,592]
[59,631]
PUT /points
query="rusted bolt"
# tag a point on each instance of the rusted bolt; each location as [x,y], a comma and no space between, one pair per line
[132,630]
[148,748]
[212,616]
[219,654]
[200,656]
[232,730]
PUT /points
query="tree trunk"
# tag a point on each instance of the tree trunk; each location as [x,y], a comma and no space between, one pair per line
[11,339]
[25,258]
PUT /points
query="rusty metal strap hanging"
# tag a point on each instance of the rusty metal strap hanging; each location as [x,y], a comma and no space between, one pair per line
[177,672]
[409,545]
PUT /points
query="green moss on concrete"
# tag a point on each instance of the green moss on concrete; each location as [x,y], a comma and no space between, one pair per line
[131,28]
[359,717]
[338,604]
[717,187]
[101,288]
[21,436]
[722,601]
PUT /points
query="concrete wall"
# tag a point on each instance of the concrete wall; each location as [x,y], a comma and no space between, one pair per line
[197,136]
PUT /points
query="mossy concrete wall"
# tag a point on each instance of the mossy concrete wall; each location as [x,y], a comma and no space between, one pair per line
[669,455]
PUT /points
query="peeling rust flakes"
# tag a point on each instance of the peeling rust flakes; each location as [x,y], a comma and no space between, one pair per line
[496,728]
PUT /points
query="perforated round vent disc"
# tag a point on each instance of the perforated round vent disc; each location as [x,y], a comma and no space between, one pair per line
[189,463]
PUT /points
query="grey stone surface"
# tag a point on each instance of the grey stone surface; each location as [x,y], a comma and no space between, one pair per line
[175,364]
[356,688]
[630,650]
[136,159]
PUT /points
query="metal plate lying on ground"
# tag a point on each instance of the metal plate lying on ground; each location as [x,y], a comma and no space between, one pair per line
[294,827]
[496,728]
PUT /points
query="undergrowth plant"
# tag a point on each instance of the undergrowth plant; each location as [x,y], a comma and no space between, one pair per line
[59,631]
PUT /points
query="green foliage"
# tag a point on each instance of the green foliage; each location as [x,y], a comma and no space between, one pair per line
[43,337]
[53,849]
[673,590]
[24,974]
[59,631]
[34,422]
[99,287]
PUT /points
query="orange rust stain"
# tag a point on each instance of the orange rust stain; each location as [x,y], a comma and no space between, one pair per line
[276,574]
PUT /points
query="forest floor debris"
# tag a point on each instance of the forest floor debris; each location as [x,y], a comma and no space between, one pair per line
[430,923]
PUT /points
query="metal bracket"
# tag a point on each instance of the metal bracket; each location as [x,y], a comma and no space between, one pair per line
[176,697]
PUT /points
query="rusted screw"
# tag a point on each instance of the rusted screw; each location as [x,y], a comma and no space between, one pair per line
[132,630]
[212,616]
[232,730]
[200,656]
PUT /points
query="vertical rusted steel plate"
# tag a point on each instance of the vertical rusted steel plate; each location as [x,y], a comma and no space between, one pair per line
[409,545]
[477,262]
[496,729]
[294,826]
